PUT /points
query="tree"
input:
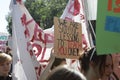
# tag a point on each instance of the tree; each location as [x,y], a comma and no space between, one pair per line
[43,12]
[9,26]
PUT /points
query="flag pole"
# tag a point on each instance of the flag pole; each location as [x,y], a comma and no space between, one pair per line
[85,4]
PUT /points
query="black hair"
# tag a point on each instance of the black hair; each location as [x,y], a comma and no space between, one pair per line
[57,62]
[64,73]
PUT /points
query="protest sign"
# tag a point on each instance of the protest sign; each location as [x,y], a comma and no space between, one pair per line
[108,27]
[3,41]
[67,38]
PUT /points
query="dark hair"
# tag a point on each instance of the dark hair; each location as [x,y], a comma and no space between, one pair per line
[91,56]
[64,73]
[57,62]
[103,62]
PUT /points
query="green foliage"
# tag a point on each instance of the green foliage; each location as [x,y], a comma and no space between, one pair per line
[43,12]
[9,26]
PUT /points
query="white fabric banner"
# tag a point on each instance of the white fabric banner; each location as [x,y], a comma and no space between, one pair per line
[74,11]
[23,68]
[91,9]
[31,46]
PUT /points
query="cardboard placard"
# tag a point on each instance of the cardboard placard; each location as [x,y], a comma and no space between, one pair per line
[68,39]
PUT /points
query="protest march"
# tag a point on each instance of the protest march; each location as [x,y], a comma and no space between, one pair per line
[85,38]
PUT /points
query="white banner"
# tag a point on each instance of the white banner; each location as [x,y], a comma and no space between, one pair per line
[91,9]
[74,11]
[23,68]
[31,46]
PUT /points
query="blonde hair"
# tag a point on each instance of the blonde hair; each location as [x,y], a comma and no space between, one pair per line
[5,57]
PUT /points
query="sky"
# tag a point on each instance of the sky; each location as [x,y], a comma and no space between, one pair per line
[4,9]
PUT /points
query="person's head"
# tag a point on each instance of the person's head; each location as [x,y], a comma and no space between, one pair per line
[106,66]
[57,62]
[93,66]
[5,64]
[116,64]
[65,73]
[8,50]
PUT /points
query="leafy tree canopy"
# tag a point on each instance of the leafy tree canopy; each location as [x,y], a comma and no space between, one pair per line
[43,12]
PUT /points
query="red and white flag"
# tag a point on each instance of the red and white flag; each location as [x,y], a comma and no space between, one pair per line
[31,45]
[74,11]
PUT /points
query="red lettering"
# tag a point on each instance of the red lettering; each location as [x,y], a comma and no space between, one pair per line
[37,49]
[25,23]
[73,44]
[70,44]
[117,9]
[38,71]
[19,1]
[39,35]
[109,5]
[68,19]
[76,7]
[62,51]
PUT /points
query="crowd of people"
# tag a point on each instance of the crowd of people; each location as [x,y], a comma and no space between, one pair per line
[93,67]
[97,67]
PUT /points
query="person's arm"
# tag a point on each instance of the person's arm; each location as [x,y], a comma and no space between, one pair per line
[46,72]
